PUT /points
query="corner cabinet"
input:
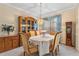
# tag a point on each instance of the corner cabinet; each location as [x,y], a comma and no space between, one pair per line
[25,24]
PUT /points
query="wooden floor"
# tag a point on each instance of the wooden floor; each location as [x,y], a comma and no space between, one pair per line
[64,51]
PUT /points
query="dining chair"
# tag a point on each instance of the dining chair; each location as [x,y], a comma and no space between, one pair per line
[52,33]
[32,33]
[58,37]
[38,32]
[27,34]
[54,46]
[28,49]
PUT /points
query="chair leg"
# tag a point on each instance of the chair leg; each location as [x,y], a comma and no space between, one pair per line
[38,50]
[52,54]
[56,52]
[38,53]
[58,48]
[24,53]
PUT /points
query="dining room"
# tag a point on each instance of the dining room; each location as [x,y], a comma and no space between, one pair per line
[39,29]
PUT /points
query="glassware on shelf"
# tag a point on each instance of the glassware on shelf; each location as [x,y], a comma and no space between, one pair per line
[23,29]
[23,21]
[29,22]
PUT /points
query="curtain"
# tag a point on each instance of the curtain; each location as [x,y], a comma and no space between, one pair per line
[52,23]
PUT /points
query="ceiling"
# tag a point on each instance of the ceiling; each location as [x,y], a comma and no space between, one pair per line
[34,8]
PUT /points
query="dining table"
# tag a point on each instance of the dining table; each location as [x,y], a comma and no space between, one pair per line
[43,42]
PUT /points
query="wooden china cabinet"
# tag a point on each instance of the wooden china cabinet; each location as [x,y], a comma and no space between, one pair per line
[25,24]
[69,33]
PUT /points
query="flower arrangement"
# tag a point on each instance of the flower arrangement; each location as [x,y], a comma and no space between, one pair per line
[8,28]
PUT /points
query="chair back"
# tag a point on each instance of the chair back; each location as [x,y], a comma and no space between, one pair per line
[38,33]
[25,43]
[27,34]
[52,33]
[55,43]
[32,33]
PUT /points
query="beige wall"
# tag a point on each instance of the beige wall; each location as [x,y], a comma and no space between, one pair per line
[77,29]
[8,15]
[68,16]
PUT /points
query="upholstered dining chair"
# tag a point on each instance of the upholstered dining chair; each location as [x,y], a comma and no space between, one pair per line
[52,33]
[28,49]
[54,47]
[38,32]
[27,34]
[32,33]
[58,37]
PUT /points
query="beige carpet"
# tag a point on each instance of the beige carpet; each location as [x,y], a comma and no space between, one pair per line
[15,52]
[68,51]
[64,51]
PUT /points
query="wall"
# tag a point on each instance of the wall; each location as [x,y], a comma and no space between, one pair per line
[9,15]
[68,16]
[77,29]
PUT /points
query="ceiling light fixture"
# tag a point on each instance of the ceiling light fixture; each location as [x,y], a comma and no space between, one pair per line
[40,20]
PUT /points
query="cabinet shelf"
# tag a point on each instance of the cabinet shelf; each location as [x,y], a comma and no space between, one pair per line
[26,24]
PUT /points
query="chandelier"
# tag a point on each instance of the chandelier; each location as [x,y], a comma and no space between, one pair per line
[40,20]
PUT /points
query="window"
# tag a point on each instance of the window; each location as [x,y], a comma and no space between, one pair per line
[52,23]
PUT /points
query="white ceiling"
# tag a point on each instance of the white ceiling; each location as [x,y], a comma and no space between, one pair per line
[34,8]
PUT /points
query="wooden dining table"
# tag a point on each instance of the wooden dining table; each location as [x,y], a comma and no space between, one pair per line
[43,42]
